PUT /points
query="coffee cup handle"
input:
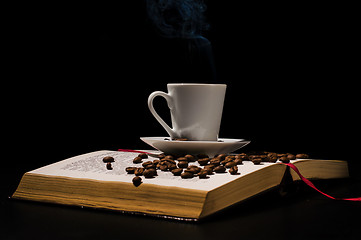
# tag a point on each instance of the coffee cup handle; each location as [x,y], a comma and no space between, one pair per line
[169,99]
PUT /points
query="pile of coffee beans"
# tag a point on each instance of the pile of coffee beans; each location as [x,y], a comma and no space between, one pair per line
[184,166]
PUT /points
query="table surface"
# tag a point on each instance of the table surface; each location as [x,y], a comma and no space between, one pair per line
[301,214]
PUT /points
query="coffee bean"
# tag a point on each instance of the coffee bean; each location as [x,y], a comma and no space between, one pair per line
[109,166]
[284,159]
[257,161]
[225,161]
[219,169]
[203,161]
[272,157]
[243,156]
[190,158]
[149,173]
[238,161]
[137,181]
[171,166]
[230,158]
[147,163]
[263,157]
[302,156]
[208,169]
[108,159]
[215,161]
[143,155]
[177,171]
[194,169]
[221,156]
[130,170]
[169,157]
[182,159]
[137,160]
[202,174]
[230,164]
[155,162]
[160,156]
[139,171]
[291,157]
[183,164]
[187,174]
[233,170]
[163,167]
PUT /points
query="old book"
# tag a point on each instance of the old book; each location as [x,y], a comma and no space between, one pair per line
[84,181]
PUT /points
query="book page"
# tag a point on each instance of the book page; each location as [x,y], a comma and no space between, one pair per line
[91,166]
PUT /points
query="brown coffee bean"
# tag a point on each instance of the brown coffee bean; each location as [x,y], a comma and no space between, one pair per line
[177,171]
[109,166]
[139,171]
[263,157]
[171,166]
[186,174]
[160,156]
[233,170]
[202,174]
[182,159]
[302,156]
[169,157]
[291,157]
[208,169]
[257,161]
[193,168]
[230,164]
[221,156]
[108,159]
[225,161]
[230,157]
[243,156]
[183,164]
[130,170]
[238,161]
[147,163]
[272,157]
[143,155]
[271,154]
[137,160]
[155,162]
[215,161]
[163,167]
[137,181]
[203,161]
[219,169]
[284,159]
[149,173]
[190,158]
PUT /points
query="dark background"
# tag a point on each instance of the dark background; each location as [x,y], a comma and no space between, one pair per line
[80,76]
[76,79]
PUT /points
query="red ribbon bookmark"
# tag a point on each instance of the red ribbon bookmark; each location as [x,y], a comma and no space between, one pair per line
[309,183]
[129,150]
[305,180]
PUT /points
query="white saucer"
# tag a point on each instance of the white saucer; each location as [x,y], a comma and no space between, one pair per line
[211,148]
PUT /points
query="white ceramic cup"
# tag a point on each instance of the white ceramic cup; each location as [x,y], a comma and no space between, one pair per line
[196,110]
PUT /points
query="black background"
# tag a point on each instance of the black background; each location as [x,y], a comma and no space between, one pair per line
[77,78]
[80,76]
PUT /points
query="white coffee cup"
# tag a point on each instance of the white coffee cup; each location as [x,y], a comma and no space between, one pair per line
[196,110]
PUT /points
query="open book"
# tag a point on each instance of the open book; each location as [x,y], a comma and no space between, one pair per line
[85,181]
